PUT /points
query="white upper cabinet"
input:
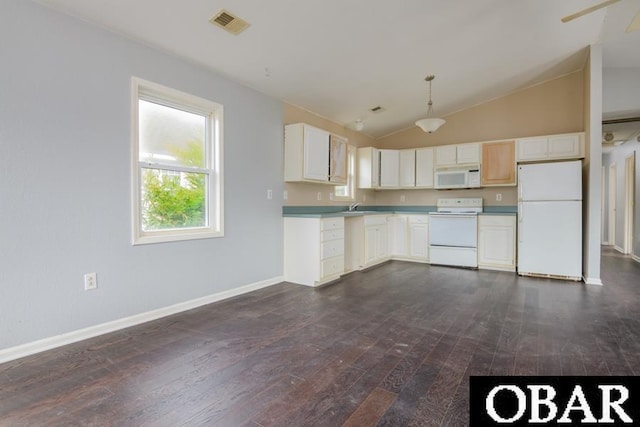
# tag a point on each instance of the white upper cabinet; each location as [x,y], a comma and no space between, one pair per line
[368,167]
[407,168]
[458,154]
[468,153]
[381,168]
[338,160]
[532,148]
[562,146]
[446,155]
[389,168]
[314,155]
[568,146]
[424,167]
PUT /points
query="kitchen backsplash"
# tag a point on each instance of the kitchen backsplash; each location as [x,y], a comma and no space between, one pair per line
[304,194]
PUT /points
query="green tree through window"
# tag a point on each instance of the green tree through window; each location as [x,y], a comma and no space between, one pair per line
[175,199]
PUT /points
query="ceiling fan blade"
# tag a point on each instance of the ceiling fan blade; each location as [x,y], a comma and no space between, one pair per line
[635,24]
[588,10]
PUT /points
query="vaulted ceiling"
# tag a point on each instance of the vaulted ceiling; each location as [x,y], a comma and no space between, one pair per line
[341,58]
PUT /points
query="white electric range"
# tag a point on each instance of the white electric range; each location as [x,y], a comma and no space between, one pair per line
[453,232]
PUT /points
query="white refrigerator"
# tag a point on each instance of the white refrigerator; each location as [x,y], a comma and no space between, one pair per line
[550,220]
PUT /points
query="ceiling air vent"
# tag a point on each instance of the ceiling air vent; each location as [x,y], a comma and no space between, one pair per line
[377,109]
[226,20]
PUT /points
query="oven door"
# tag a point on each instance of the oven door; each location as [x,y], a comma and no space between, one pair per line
[457,230]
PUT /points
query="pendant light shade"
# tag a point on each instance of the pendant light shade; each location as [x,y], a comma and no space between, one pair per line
[430,124]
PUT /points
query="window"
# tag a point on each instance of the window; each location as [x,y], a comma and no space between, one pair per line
[177,165]
[348,192]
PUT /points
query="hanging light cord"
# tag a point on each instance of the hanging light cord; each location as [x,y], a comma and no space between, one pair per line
[430,104]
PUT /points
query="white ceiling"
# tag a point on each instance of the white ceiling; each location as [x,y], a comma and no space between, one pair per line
[340,58]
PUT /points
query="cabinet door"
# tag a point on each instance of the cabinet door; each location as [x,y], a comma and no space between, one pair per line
[446,155]
[468,153]
[368,164]
[316,154]
[370,244]
[532,148]
[496,242]
[564,146]
[398,235]
[419,240]
[389,168]
[338,164]
[499,163]
[382,243]
[424,167]
[407,168]
[376,248]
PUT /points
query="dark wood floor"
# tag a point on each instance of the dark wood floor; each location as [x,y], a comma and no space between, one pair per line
[391,346]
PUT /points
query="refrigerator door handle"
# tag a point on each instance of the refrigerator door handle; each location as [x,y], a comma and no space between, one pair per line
[520,185]
[520,218]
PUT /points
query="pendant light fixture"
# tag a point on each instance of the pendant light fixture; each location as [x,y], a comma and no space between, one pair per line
[430,124]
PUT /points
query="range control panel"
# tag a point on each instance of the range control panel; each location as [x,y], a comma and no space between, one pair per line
[460,205]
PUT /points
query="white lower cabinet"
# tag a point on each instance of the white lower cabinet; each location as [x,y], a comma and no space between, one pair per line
[320,250]
[376,243]
[419,237]
[313,250]
[497,242]
[367,241]
[398,236]
[409,237]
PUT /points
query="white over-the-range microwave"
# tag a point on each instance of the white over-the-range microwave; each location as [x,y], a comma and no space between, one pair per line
[467,176]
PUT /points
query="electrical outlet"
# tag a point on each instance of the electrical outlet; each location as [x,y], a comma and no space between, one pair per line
[90,281]
[319,195]
[499,197]
[269,194]
[331,196]
[285,195]
[403,198]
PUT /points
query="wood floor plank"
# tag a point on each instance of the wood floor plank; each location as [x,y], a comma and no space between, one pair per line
[372,409]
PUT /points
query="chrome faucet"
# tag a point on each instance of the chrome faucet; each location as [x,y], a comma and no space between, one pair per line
[353,206]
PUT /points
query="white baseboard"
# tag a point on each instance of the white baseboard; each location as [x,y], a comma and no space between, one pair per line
[618,248]
[592,281]
[635,257]
[38,346]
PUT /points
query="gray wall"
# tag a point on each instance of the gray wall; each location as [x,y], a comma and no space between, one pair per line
[65,180]
[621,92]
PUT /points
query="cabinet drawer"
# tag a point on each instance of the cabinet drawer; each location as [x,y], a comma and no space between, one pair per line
[331,223]
[496,220]
[332,266]
[331,248]
[375,219]
[418,219]
[337,233]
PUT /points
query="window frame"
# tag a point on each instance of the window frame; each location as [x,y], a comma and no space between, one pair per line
[351,176]
[213,168]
